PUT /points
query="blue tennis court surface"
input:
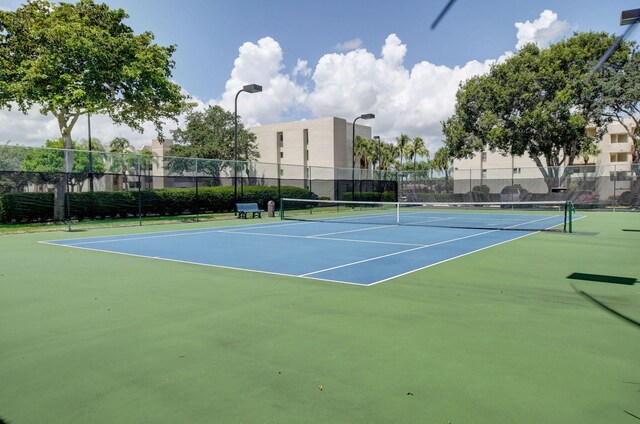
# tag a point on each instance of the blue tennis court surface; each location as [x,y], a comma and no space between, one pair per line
[339,252]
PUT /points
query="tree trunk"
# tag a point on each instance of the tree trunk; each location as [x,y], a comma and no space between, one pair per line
[59,197]
[66,124]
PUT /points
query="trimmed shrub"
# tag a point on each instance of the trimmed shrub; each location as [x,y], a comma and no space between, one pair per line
[38,207]
[368,196]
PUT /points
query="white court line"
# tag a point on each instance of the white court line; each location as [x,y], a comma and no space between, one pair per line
[203,264]
[450,259]
[352,231]
[395,253]
[162,234]
[460,256]
[411,250]
[305,276]
[312,237]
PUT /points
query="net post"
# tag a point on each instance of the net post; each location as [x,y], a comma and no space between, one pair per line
[397,212]
[281,210]
[568,217]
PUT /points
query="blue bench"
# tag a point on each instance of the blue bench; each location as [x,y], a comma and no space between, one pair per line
[244,208]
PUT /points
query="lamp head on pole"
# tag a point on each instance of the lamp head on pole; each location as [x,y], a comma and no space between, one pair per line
[252,88]
[367,116]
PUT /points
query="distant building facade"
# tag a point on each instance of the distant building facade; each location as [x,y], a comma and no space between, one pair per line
[609,173]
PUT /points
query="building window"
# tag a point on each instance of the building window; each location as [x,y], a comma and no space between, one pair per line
[517,170]
[619,157]
[619,138]
[484,173]
[305,136]
[280,137]
[281,154]
[483,157]
[307,155]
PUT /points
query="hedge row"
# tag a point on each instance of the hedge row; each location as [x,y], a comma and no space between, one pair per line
[367,196]
[38,207]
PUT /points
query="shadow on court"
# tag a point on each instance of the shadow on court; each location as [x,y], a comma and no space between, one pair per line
[611,279]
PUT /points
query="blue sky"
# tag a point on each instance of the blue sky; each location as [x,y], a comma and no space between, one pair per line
[340,58]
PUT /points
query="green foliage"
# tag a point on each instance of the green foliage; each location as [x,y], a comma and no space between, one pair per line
[76,58]
[38,207]
[209,134]
[26,207]
[367,196]
[620,95]
[536,103]
[439,197]
[49,163]
[11,158]
[481,189]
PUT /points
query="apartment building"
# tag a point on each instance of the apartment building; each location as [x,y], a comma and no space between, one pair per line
[318,149]
[610,173]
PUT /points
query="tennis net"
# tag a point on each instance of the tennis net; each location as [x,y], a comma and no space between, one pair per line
[523,216]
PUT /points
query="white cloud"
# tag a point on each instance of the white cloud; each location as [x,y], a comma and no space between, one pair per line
[261,64]
[542,31]
[34,129]
[349,45]
[302,69]
[413,101]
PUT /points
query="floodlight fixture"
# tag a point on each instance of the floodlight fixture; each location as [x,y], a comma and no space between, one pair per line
[249,88]
[629,17]
[353,152]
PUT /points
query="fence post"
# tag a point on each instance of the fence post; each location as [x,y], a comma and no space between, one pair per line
[278,170]
[197,195]
[615,181]
[139,192]
[67,196]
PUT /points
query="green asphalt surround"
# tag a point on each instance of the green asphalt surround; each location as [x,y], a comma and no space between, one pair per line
[493,337]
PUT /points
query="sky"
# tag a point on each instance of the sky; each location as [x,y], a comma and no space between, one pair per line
[333,58]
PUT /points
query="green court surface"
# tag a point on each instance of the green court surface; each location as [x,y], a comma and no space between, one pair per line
[498,336]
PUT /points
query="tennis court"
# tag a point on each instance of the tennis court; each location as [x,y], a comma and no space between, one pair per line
[354,247]
[494,336]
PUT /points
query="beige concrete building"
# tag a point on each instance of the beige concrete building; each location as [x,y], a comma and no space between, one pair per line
[301,151]
[608,173]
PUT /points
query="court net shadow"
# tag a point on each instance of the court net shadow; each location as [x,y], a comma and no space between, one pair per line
[611,279]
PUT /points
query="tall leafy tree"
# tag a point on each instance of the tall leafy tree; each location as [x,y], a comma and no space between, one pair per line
[536,103]
[11,179]
[619,88]
[209,134]
[46,165]
[76,58]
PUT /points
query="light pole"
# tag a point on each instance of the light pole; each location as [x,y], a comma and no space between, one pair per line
[353,153]
[90,154]
[251,88]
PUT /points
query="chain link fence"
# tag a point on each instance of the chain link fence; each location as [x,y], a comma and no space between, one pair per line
[57,185]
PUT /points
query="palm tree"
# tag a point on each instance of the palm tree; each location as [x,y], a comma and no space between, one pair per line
[585,153]
[360,152]
[122,161]
[442,162]
[402,143]
[417,148]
